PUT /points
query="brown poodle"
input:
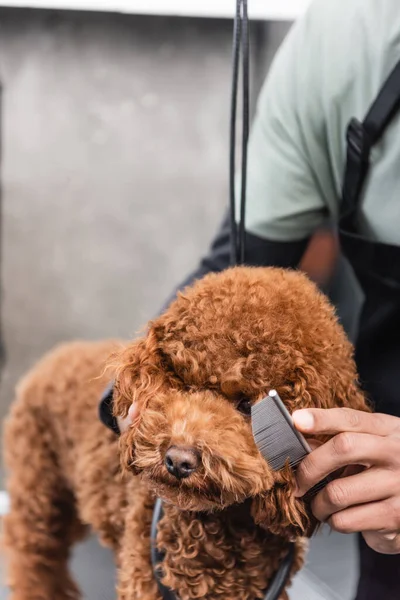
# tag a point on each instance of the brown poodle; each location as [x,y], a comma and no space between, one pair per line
[228,519]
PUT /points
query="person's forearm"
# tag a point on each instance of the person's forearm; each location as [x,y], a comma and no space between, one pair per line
[259,253]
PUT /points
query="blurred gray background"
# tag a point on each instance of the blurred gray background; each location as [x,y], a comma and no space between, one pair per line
[114,136]
[114,170]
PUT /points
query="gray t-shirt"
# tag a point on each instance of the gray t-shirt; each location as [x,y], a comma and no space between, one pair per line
[329,69]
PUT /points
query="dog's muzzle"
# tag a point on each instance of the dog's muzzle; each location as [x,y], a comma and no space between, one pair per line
[181,462]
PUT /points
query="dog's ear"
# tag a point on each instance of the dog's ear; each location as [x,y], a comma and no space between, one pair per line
[140,374]
[333,383]
[327,383]
[347,392]
[279,512]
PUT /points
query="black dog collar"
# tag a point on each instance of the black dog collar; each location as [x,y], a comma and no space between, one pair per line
[106,410]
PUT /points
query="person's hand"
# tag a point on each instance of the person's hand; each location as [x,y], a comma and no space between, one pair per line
[124,424]
[366,498]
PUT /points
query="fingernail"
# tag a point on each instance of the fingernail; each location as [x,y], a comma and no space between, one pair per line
[303,420]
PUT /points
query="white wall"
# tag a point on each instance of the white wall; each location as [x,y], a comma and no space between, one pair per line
[258,9]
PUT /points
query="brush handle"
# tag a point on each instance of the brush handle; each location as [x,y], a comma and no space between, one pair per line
[273,394]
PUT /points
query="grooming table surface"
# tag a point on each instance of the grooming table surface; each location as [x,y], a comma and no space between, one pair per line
[330,573]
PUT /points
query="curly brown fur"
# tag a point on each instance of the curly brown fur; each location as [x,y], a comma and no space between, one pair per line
[226,526]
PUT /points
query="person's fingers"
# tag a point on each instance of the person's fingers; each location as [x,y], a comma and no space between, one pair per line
[133,411]
[379,517]
[335,420]
[343,450]
[384,543]
[125,423]
[314,443]
[352,470]
[369,486]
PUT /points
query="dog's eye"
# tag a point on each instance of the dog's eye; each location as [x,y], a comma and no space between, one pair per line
[244,407]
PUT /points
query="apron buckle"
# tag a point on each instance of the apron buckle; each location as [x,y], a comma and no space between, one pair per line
[358,141]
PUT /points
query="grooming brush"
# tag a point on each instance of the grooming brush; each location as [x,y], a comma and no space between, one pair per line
[276,437]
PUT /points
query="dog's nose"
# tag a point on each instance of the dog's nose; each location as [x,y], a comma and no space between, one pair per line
[181,462]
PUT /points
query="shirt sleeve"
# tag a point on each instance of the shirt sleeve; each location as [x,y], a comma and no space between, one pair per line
[286,193]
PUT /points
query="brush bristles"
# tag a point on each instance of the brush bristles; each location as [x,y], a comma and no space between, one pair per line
[277,439]
[275,436]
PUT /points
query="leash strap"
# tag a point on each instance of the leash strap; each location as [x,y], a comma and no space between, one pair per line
[279,580]
[241,47]
[157,557]
[3,356]
[276,585]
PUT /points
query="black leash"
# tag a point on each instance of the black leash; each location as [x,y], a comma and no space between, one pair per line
[276,585]
[241,47]
[2,341]
[157,557]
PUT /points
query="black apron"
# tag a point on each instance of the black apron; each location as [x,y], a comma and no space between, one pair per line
[377,268]
[376,265]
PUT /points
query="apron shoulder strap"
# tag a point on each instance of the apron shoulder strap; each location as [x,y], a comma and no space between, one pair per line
[361,137]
